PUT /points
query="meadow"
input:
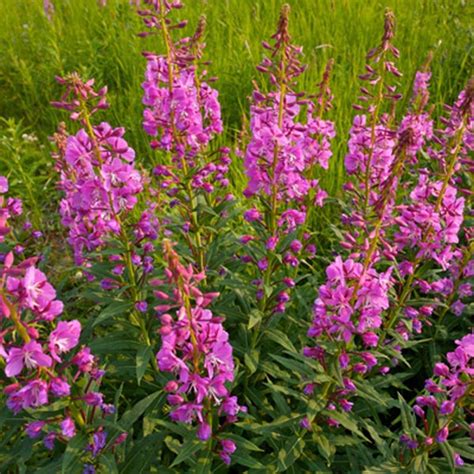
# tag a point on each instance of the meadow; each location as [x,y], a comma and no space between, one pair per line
[269,272]
[103,44]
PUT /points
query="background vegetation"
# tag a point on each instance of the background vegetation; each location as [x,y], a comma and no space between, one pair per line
[102,43]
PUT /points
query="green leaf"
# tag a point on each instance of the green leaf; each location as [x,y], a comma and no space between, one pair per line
[272,427]
[179,429]
[142,455]
[144,355]
[187,449]
[391,466]
[368,392]
[251,361]
[281,338]
[448,452]
[345,421]
[290,453]
[54,466]
[204,463]
[245,459]
[406,414]
[326,449]
[116,308]
[132,415]
[293,365]
[464,447]
[72,455]
[108,462]
[420,462]
[255,317]
[244,443]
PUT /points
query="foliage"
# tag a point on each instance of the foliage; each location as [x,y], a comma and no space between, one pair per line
[291,302]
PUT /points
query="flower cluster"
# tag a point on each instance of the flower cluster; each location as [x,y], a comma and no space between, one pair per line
[351,302]
[289,140]
[183,113]
[97,172]
[432,221]
[9,207]
[354,306]
[183,110]
[41,354]
[196,350]
[183,117]
[455,288]
[434,213]
[283,151]
[448,395]
[456,138]
[350,305]
[372,139]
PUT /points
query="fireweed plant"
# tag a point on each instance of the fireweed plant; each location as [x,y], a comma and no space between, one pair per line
[222,334]
[288,140]
[47,374]
[183,114]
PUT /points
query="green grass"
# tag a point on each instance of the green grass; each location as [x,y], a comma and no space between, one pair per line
[102,43]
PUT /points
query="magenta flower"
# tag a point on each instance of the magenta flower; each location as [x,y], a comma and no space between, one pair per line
[442,435]
[97,173]
[3,185]
[59,387]
[33,429]
[64,338]
[204,432]
[32,395]
[196,351]
[68,428]
[30,355]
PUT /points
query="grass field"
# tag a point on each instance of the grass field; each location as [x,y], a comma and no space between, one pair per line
[102,43]
[330,327]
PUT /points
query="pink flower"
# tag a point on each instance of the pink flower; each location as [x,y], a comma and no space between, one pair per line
[64,338]
[204,432]
[33,394]
[33,429]
[31,355]
[68,428]
[84,360]
[37,289]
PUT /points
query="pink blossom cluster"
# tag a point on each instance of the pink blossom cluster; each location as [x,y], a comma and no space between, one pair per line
[351,302]
[183,113]
[9,207]
[97,173]
[350,305]
[428,226]
[183,110]
[378,150]
[431,222]
[455,288]
[365,296]
[446,400]
[280,157]
[196,350]
[284,150]
[457,126]
[289,140]
[372,138]
[41,355]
